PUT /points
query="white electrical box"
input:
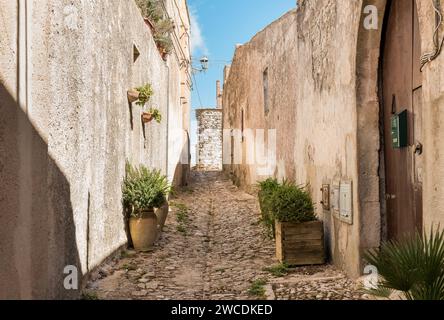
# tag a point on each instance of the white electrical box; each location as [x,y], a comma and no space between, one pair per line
[346,202]
[334,200]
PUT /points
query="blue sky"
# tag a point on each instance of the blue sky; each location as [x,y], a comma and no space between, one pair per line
[217,26]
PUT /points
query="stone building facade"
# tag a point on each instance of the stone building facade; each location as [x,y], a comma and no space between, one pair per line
[315,76]
[209,145]
[67,130]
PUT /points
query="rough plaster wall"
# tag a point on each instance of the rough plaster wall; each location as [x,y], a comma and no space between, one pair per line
[312,105]
[175,139]
[63,158]
[209,139]
[334,113]
[179,93]
[9,158]
[433,124]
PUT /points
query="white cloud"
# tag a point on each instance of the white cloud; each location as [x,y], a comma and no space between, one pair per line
[197,40]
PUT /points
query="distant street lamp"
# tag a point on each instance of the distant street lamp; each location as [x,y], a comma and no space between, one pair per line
[204,65]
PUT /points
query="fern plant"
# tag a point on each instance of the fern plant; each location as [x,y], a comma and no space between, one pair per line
[413,266]
[144,189]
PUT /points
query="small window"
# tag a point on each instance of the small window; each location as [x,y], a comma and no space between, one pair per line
[266,100]
[136,53]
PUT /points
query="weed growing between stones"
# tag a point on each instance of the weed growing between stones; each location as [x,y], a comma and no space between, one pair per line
[257,288]
[182,217]
[89,295]
[279,270]
[182,230]
[129,267]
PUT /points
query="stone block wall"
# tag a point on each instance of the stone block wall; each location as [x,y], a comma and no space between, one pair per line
[209,148]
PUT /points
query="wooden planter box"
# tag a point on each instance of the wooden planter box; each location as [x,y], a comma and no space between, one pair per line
[299,244]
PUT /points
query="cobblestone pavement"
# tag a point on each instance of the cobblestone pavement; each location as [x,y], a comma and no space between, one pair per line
[216,250]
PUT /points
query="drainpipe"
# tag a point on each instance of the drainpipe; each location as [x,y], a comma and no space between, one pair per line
[168,124]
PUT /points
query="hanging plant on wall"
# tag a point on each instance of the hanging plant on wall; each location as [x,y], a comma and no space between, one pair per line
[153,114]
[141,94]
[164,45]
[159,22]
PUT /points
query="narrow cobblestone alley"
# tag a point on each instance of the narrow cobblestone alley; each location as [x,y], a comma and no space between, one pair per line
[214,247]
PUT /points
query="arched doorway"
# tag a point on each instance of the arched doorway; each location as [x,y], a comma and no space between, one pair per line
[371,138]
[401,101]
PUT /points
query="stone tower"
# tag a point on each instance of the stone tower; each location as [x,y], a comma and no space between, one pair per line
[210,138]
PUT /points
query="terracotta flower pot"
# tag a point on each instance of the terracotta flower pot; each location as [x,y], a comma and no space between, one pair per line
[147,117]
[143,231]
[150,24]
[133,95]
[162,215]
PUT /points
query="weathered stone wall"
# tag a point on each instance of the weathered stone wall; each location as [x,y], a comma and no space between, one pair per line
[66,131]
[433,123]
[209,147]
[323,97]
[179,103]
[311,99]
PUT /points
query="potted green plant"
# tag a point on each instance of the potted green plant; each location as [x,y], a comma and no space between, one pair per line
[299,235]
[160,24]
[141,94]
[266,189]
[164,45]
[143,191]
[162,215]
[153,114]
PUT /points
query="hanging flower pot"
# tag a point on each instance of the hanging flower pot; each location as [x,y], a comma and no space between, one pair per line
[153,114]
[141,94]
[164,55]
[147,117]
[150,24]
[133,95]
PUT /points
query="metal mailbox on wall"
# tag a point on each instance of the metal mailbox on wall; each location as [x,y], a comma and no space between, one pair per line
[400,130]
[341,201]
[346,202]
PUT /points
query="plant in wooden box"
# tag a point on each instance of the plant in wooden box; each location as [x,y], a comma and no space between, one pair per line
[266,189]
[299,235]
[143,191]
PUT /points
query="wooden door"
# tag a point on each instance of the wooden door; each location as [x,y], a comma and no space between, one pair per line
[401,85]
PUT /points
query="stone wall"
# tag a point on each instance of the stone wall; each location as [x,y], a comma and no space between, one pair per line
[322,67]
[66,131]
[209,147]
[179,88]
